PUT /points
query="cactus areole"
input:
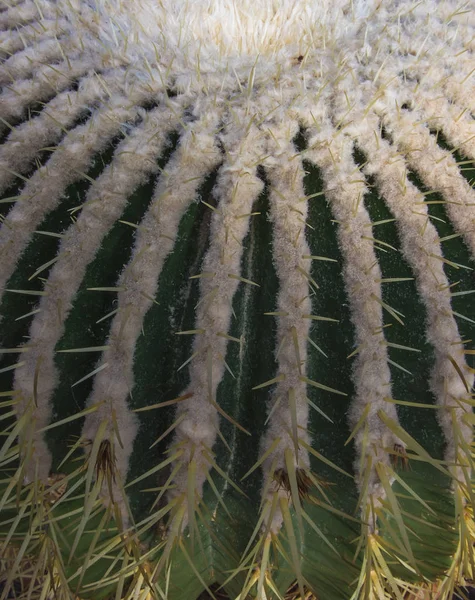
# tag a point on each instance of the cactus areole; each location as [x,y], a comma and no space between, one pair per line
[237,299]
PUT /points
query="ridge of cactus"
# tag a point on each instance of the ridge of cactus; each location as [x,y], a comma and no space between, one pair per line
[237,299]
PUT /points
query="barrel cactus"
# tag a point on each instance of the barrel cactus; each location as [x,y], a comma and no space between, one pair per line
[237,299]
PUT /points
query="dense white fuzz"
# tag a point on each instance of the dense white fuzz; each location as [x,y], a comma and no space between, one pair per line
[69,163]
[22,64]
[345,187]
[236,190]
[251,27]
[421,247]
[437,168]
[6,4]
[197,155]
[453,76]
[26,140]
[12,41]
[134,161]
[48,81]
[21,14]
[287,405]
[455,122]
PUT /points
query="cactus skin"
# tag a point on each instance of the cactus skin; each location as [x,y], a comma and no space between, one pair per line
[236,299]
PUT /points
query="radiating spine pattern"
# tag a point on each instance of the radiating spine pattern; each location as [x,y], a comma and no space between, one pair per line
[237,300]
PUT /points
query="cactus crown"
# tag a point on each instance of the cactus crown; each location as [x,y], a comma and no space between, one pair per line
[236,277]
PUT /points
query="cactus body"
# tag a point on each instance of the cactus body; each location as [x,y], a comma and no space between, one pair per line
[237,305]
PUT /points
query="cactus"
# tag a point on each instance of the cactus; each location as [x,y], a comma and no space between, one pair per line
[236,298]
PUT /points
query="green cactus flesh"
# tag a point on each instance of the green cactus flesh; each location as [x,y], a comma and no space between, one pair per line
[236,322]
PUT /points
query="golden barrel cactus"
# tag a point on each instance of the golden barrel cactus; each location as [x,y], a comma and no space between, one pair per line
[237,253]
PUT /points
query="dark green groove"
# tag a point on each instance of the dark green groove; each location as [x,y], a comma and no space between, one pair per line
[159,352]
[430,549]
[225,538]
[329,573]
[13,306]
[403,296]
[103,271]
